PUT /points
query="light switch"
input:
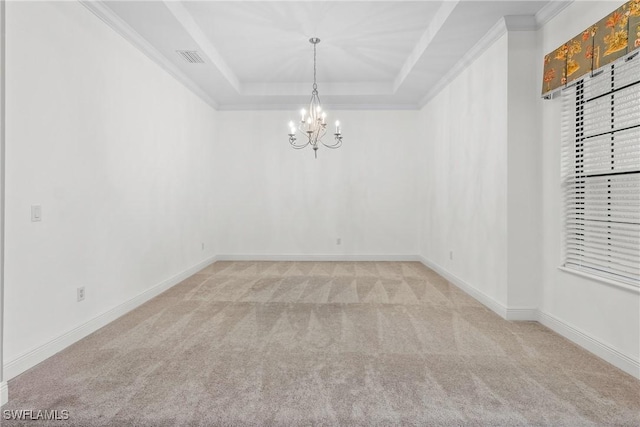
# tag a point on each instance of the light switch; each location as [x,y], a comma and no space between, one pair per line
[36,213]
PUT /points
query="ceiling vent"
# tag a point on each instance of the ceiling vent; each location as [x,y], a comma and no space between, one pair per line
[191,56]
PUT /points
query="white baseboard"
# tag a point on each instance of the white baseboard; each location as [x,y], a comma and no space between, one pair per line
[316,257]
[523,313]
[31,358]
[483,298]
[581,338]
[595,346]
[4,393]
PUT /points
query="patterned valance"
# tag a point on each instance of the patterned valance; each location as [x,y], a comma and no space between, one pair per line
[598,45]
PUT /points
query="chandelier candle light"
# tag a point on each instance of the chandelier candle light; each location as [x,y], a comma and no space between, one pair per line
[313,124]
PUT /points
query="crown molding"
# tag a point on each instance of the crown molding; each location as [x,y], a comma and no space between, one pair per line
[507,23]
[437,22]
[550,10]
[504,24]
[185,19]
[494,33]
[520,23]
[327,106]
[103,12]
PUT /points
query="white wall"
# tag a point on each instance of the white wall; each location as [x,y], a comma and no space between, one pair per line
[608,314]
[134,173]
[482,185]
[464,134]
[4,391]
[524,212]
[273,200]
[120,157]
[492,194]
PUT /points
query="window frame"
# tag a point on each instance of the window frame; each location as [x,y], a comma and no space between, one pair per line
[576,171]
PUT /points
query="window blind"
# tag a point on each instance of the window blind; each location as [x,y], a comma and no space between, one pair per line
[601,173]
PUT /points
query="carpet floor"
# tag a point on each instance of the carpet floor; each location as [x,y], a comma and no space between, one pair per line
[324,343]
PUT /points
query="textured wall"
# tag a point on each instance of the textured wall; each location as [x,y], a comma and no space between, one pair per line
[119,156]
[134,173]
[274,200]
[607,313]
[463,131]
[524,211]
[492,192]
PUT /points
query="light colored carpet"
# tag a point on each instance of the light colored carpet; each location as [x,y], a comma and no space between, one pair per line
[301,343]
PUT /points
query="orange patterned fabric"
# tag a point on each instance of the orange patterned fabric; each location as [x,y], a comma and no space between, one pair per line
[612,37]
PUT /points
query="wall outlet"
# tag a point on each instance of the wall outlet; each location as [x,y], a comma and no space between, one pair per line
[36,213]
[338,241]
[451,255]
[81,294]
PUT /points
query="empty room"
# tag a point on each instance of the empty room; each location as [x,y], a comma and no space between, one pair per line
[347,213]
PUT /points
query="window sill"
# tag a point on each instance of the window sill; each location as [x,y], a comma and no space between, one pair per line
[610,282]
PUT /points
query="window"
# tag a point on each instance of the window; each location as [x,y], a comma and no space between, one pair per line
[601,173]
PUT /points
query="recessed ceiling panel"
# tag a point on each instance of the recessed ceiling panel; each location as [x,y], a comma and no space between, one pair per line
[256,54]
[268,41]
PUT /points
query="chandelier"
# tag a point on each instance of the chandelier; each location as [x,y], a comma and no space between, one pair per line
[313,126]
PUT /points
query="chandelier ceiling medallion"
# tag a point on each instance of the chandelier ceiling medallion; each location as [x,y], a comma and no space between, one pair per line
[313,124]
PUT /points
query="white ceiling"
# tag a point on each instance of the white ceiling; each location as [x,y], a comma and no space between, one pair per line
[373,54]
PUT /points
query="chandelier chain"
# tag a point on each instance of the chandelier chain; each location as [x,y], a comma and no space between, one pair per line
[315,85]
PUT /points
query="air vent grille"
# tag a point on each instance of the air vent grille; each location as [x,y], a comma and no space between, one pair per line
[191,56]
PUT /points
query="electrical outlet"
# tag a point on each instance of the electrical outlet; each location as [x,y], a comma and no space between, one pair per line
[338,241]
[36,213]
[81,294]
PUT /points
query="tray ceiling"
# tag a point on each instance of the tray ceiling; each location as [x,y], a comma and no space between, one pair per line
[373,54]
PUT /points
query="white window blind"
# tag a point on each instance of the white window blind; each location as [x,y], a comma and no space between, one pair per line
[601,173]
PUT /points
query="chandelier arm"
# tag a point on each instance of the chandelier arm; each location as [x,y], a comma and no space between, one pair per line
[294,145]
[338,144]
[292,141]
